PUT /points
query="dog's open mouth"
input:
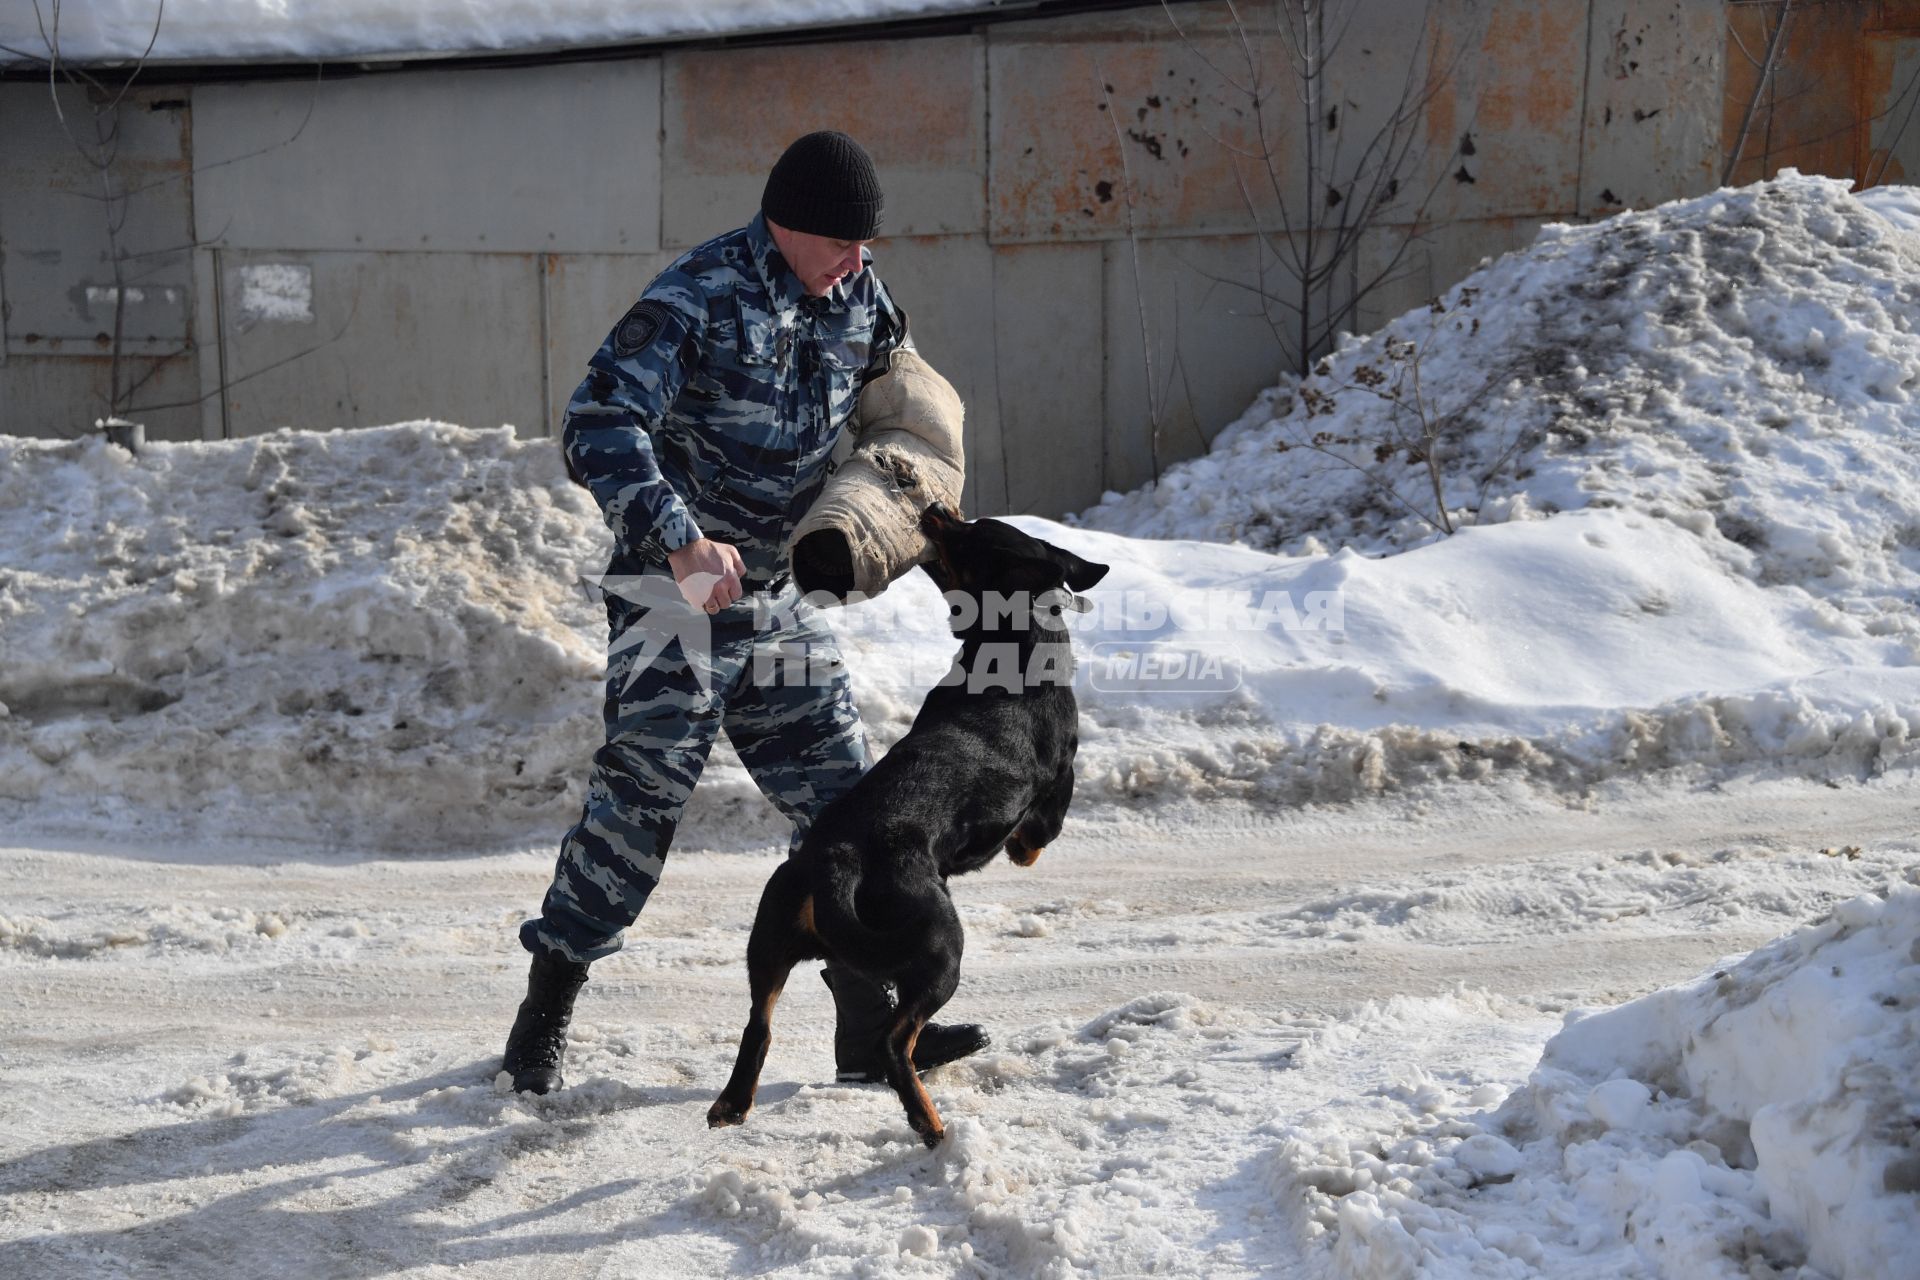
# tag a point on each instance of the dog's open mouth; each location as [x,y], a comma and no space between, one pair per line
[948,577]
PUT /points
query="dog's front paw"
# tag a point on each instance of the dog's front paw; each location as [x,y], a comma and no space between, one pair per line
[933,1135]
[725,1112]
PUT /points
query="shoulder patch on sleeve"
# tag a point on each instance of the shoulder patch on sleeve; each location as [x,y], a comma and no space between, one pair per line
[640,326]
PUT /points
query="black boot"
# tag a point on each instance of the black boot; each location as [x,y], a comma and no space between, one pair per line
[537,1045]
[863,1009]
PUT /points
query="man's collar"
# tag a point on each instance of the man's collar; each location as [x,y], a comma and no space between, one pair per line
[784,289]
[783,286]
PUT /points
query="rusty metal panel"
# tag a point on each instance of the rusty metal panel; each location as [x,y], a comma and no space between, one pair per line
[1513,101]
[62,396]
[1414,272]
[1809,117]
[54,245]
[1073,122]
[1047,343]
[1894,15]
[1074,119]
[1213,348]
[1891,89]
[586,294]
[917,105]
[946,285]
[515,160]
[381,337]
[1654,113]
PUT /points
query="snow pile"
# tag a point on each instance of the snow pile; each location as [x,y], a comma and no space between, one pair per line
[1680,451]
[1742,365]
[225,30]
[1756,1121]
[371,636]
[1564,652]
[379,637]
[176,927]
[1688,544]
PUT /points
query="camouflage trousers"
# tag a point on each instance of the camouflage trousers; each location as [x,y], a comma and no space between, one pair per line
[777,687]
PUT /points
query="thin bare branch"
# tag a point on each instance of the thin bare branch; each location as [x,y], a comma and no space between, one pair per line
[313,100]
[1886,155]
[1195,50]
[1375,481]
[140,63]
[231,383]
[1759,90]
[1850,127]
[154,365]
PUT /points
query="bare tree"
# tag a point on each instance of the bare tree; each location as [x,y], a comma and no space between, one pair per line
[97,139]
[1355,172]
[1788,112]
[1419,428]
[1762,87]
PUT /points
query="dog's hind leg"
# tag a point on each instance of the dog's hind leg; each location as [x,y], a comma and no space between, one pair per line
[782,937]
[924,990]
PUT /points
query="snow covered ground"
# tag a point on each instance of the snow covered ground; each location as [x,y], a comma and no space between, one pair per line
[1304,1047]
[289,725]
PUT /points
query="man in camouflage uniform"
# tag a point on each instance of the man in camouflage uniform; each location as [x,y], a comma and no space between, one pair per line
[703,429]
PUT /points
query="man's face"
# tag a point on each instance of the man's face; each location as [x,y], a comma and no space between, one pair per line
[820,262]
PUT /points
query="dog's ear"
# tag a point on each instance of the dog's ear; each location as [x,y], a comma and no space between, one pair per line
[1041,573]
[937,515]
[1081,574]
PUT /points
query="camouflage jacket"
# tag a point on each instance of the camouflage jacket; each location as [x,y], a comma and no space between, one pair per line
[714,405]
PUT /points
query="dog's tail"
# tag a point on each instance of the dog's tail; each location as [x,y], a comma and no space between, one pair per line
[854,940]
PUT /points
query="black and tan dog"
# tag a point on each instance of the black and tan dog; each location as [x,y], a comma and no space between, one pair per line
[987,765]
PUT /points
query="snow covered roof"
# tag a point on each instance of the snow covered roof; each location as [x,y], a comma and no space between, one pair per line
[224,31]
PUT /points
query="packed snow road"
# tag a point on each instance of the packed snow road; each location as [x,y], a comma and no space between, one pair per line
[233,1062]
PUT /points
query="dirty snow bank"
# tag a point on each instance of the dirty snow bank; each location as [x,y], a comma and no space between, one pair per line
[368,636]
[1743,365]
[1718,394]
[1758,1120]
[378,637]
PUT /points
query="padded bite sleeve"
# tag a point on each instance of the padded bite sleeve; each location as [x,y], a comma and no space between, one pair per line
[864,530]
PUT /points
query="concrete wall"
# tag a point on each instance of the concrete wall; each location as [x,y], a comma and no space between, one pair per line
[454,242]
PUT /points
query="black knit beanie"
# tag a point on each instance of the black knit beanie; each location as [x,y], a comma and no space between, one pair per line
[824,184]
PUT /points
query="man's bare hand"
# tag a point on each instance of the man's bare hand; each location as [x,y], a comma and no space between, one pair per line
[708,572]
